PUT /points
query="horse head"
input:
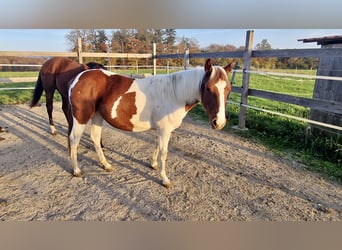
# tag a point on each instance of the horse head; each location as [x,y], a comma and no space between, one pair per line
[215,89]
[94,65]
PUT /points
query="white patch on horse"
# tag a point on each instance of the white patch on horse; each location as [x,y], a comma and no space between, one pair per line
[213,73]
[114,108]
[142,119]
[221,115]
[75,81]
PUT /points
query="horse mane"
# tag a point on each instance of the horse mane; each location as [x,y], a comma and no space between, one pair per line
[180,86]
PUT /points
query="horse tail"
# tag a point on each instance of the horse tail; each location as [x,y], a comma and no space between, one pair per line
[37,93]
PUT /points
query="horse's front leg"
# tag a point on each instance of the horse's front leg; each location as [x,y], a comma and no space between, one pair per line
[155,155]
[164,137]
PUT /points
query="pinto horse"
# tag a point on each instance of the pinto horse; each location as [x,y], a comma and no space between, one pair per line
[159,102]
[54,74]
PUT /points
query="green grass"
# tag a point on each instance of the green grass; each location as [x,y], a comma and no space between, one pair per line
[319,151]
[20,96]
[18,74]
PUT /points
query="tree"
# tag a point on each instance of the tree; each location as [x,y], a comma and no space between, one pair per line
[73,35]
[263,45]
[264,62]
[92,40]
[222,48]
[191,44]
[169,40]
[120,40]
[101,41]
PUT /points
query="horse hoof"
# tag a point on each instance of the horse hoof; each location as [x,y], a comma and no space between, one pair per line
[167,184]
[109,169]
[53,130]
[154,167]
[77,174]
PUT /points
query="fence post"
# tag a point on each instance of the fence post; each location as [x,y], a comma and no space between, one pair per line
[237,66]
[186,59]
[79,50]
[167,67]
[245,78]
[154,58]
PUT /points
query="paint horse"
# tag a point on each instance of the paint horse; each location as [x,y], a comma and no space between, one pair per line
[159,102]
[54,74]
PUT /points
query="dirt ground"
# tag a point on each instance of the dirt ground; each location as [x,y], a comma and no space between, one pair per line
[217,176]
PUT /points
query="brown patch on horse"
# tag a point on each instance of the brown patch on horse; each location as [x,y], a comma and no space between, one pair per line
[117,87]
[87,93]
[189,107]
[125,111]
[96,91]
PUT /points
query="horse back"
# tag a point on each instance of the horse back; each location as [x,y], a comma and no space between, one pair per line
[57,72]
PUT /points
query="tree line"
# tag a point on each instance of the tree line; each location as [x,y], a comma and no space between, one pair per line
[140,41]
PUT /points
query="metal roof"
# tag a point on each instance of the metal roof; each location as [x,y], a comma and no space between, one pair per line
[323,40]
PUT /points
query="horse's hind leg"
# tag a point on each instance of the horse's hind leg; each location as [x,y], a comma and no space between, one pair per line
[95,134]
[74,140]
[65,108]
[49,108]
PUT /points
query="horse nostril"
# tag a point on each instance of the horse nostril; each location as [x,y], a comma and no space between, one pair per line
[214,123]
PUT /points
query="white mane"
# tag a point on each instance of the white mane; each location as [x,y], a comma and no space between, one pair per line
[180,86]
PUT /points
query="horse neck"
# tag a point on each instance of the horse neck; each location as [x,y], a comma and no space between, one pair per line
[185,86]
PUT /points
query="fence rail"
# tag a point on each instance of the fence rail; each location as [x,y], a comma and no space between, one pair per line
[244,91]
[18,79]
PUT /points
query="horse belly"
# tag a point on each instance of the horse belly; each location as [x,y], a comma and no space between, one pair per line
[133,124]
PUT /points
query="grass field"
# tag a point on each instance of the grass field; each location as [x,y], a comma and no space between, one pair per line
[320,151]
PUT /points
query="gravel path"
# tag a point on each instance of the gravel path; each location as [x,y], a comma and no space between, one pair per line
[216,175]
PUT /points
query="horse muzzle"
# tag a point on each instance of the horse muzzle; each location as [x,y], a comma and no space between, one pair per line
[218,124]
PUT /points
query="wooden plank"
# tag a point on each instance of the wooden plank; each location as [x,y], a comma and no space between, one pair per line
[73,54]
[37,53]
[34,79]
[154,59]
[237,89]
[227,54]
[170,56]
[19,79]
[333,52]
[115,55]
[79,50]
[245,78]
[323,105]
[186,59]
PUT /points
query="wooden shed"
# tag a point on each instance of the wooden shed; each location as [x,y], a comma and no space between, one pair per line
[330,90]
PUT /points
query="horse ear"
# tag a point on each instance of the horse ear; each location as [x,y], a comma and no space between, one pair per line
[230,66]
[208,65]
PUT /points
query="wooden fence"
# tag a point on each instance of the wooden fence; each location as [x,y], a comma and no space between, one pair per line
[244,90]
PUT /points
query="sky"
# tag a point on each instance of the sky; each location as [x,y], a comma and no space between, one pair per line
[53,40]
